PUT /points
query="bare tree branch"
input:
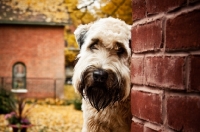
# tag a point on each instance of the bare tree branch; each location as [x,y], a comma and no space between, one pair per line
[87,5]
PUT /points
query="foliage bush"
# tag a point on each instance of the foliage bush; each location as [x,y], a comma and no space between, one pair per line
[77,104]
[72,97]
[7,101]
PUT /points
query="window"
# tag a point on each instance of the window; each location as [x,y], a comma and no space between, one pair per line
[19,78]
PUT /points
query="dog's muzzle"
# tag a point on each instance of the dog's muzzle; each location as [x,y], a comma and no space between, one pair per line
[100,87]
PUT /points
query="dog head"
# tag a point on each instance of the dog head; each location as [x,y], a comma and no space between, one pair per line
[102,74]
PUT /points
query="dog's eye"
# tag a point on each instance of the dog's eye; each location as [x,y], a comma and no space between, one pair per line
[93,46]
[120,51]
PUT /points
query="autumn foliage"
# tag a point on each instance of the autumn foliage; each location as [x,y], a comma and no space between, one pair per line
[70,12]
[86,11]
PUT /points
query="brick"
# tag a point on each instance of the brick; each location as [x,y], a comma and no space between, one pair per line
[138,9]
[182,32]
[147,37]
[156,6]
[136,127]
[193,1]
[40,48]
[147,106]
[194,79]
[137,70]
[42,52]
[166,72]
[147,129]
[183,113]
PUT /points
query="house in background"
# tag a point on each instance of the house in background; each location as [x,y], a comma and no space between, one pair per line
[32,50]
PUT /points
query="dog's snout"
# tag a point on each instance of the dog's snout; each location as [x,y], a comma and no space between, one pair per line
[100,75]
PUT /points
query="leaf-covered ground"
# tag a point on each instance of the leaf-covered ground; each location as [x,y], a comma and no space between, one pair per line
[51,115]
[56,119]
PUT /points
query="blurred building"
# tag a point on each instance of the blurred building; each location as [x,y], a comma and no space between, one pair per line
[32,48]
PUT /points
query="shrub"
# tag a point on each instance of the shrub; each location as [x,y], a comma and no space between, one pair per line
[78,103]
[7,101]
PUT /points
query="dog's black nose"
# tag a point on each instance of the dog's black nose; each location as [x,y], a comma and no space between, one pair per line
[100,75]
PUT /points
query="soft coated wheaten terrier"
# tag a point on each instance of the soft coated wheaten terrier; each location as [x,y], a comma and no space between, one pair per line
[102,75]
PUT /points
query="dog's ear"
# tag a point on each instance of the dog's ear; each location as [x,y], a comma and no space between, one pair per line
[80,33]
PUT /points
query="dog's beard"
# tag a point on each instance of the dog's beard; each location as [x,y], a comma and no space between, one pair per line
[100,95]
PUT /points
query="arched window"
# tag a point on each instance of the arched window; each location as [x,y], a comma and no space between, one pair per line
[19,77]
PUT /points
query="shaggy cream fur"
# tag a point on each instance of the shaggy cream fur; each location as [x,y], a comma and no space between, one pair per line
[105,51]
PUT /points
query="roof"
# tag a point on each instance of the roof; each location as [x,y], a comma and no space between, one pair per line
[46,12]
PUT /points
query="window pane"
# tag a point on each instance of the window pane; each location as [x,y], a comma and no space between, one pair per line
[19,70]
[19,76]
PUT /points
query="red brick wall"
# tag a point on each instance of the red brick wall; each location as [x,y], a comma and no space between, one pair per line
[165,66]
[41,49]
